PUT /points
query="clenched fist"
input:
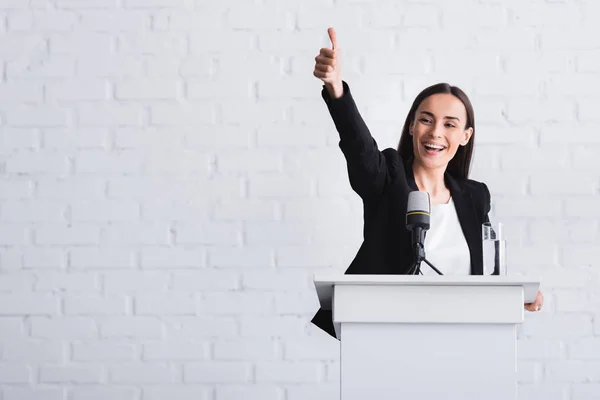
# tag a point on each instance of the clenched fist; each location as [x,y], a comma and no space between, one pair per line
[328,67]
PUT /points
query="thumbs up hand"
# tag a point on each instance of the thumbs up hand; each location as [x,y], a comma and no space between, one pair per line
[328,67]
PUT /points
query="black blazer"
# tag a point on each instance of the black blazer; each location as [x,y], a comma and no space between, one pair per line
[383,180]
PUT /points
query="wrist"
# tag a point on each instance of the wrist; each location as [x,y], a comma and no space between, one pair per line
[336,90]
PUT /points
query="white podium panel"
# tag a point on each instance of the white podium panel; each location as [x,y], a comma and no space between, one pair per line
[427,337]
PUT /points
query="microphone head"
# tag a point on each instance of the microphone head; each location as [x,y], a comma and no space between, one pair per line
[418,201]
[418,210]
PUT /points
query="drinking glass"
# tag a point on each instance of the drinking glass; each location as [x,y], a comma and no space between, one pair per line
[494,249]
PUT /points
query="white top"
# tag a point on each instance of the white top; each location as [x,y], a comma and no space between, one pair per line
[445,244]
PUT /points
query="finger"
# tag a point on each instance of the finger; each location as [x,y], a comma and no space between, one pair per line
[324,68]
[328,53]
[321,74]
[333,38]
[325,60]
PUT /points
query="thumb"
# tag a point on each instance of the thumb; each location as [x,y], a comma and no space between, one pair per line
[333,38]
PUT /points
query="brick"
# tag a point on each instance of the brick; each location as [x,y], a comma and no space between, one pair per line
[261,233]
[96,305]
[32,393]
[221,233]
[171,257]
[118,20]
[235,303]
[275,280]
[107,113]
[14,234]
[217,372]
[233,41]
[137,233]
[141,373]
[286,372]
[219,89]
[98,43]
[16,189]
[38,163]
[582,391]
[542,390]
[135,281]
[306,349]
[21,92]
[249,392]
[103,352]
[16,373]
[287,327]
[584,348]
[246,209]
[560,326]
[71,374]
[529,372]
[69,188]
[77,90]
[572,371]
[56,234]
[109,66]
[64,328]
[247,350]
[137,328]
[91,392]
[17,282]
[26,303]
[182,328]
[95,258]
[206,280]
[176,304]
[75,4]
[33,351]
[188,392]
[188,113]
[122,162]
[153,43]
[33,210]
[138,89]
[70,139]
[149,138]
[168,351]
[180,162]
[233,257]
[314,391]
[104,210]
[11,328]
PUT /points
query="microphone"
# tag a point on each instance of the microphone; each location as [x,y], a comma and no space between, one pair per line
[418,216]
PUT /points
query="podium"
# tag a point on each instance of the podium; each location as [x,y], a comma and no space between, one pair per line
[427,337]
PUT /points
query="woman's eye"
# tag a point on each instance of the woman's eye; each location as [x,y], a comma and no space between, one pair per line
[424,120]
[450,125]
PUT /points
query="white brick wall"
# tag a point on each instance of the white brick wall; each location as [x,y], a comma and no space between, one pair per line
[170,180]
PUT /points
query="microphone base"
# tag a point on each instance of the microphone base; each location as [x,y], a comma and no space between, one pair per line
[420,257]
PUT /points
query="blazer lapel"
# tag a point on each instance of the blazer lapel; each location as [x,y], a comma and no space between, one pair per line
[467,215]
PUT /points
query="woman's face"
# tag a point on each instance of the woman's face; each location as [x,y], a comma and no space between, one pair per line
[438,130]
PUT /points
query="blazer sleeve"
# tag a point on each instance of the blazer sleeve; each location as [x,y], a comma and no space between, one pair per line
[367,165]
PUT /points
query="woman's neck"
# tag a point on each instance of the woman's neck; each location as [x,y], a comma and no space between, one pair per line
[432,181]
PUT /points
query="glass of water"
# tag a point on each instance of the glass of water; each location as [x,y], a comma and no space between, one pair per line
[494,249]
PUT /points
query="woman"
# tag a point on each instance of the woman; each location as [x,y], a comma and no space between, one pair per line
[434,155]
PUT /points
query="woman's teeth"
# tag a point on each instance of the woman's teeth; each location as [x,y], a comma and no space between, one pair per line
[434,147]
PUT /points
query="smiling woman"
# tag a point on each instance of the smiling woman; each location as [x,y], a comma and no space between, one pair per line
[434,155]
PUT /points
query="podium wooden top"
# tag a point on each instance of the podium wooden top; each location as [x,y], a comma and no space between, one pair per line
[324,283]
